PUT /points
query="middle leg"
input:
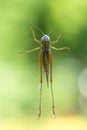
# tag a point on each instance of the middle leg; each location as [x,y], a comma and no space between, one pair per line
[53,106]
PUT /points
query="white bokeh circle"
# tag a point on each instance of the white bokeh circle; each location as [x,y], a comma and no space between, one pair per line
[83,83]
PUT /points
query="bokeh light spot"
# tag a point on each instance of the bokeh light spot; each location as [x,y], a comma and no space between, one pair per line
[83,83]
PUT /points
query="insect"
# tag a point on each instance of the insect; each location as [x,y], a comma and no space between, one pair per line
[45,61]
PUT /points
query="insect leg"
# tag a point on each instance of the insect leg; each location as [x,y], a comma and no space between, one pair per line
[59,49]
[35,49]
[34,36]
[50,59]
[41,61]
[58,38]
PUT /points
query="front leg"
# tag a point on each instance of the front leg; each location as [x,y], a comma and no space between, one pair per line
[34,36]
[58,38]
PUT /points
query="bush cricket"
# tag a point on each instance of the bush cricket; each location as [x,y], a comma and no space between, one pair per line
[45,61]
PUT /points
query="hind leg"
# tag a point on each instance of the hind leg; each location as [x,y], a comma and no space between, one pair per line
[41,61]
[50,59]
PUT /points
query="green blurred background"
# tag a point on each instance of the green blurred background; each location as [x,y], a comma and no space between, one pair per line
[19,74]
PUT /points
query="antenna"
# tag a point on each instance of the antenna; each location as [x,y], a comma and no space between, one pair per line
[50,32]
[37,28]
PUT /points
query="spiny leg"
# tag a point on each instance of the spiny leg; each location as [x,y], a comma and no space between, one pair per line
[41,61]
[53,107]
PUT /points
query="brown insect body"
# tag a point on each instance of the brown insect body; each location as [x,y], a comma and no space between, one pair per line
[46,64]
[45,61]
[45,49]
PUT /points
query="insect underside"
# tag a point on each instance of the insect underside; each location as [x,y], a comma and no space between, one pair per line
[45,61]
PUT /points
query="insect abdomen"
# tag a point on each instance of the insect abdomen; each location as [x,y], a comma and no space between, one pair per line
[46,65]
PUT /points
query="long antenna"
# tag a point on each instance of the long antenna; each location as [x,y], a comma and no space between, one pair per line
[50,32]
[37,28]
